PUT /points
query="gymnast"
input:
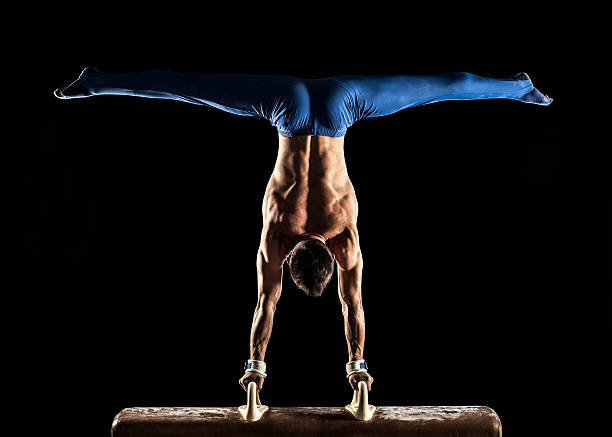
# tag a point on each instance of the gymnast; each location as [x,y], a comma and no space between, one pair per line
[309,207]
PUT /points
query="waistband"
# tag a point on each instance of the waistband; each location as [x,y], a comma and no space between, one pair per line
[312,131]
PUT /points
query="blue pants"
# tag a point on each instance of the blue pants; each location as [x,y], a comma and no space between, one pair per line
[297,106]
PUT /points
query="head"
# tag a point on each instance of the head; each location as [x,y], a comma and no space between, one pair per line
[311,265]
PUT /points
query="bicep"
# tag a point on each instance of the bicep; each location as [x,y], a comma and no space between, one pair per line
[348,256]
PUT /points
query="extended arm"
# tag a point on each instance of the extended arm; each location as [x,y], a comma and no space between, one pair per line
[349,291]
[269,278]
[269,281]
[347,253]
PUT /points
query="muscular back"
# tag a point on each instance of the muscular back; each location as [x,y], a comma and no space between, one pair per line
[309,192]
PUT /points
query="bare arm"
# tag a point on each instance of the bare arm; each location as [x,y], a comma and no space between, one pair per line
[269,280]
[348,256]
[349,291]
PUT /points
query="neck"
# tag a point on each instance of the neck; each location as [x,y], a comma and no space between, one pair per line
[319,237]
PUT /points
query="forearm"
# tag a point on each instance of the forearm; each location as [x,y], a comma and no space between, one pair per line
[354,329]
[349,289]
[261,330]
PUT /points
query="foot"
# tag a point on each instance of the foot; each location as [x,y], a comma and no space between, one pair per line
[75,90]
[533,96]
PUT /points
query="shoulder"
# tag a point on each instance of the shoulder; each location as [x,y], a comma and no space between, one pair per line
[345,248]
[274,245]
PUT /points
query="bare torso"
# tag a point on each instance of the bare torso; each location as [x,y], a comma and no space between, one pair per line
[309,192]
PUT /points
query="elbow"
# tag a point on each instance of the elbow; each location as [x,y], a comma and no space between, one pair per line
[351,303]
[351,264]
[266,304]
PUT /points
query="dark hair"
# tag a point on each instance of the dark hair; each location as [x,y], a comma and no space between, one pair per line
[312,266]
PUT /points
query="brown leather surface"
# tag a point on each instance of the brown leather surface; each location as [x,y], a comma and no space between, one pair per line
[473,421]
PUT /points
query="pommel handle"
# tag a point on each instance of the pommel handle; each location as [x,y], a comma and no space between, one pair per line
[359,407]
[253,410]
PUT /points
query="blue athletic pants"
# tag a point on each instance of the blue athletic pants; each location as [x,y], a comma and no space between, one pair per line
[297,106]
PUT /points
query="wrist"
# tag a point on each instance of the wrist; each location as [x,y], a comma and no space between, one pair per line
[255,366]
[356,366]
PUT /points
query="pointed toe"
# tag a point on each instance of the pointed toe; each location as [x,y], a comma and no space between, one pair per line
[76,89]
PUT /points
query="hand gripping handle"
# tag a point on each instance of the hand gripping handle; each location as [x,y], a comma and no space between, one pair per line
[253,410]
[359,407]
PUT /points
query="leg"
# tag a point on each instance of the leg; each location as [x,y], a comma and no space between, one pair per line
[377,96]
[272,97]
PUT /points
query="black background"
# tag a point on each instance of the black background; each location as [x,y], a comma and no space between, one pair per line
[483,224]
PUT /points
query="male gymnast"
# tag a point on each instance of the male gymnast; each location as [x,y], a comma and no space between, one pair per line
[309,207]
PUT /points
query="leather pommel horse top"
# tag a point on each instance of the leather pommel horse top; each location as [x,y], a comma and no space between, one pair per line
[469,421]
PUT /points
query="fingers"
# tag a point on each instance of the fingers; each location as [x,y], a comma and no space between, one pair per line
[354,381]
[244,381]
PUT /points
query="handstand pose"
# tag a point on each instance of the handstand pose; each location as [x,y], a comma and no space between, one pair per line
[309,207]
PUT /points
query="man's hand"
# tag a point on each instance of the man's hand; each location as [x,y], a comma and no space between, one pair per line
[251,376]
[360,376]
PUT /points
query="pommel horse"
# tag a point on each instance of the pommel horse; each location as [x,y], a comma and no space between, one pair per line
[356,420]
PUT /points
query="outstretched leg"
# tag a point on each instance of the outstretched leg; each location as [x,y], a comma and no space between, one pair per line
[376,96]
[273,97]
[298,106]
